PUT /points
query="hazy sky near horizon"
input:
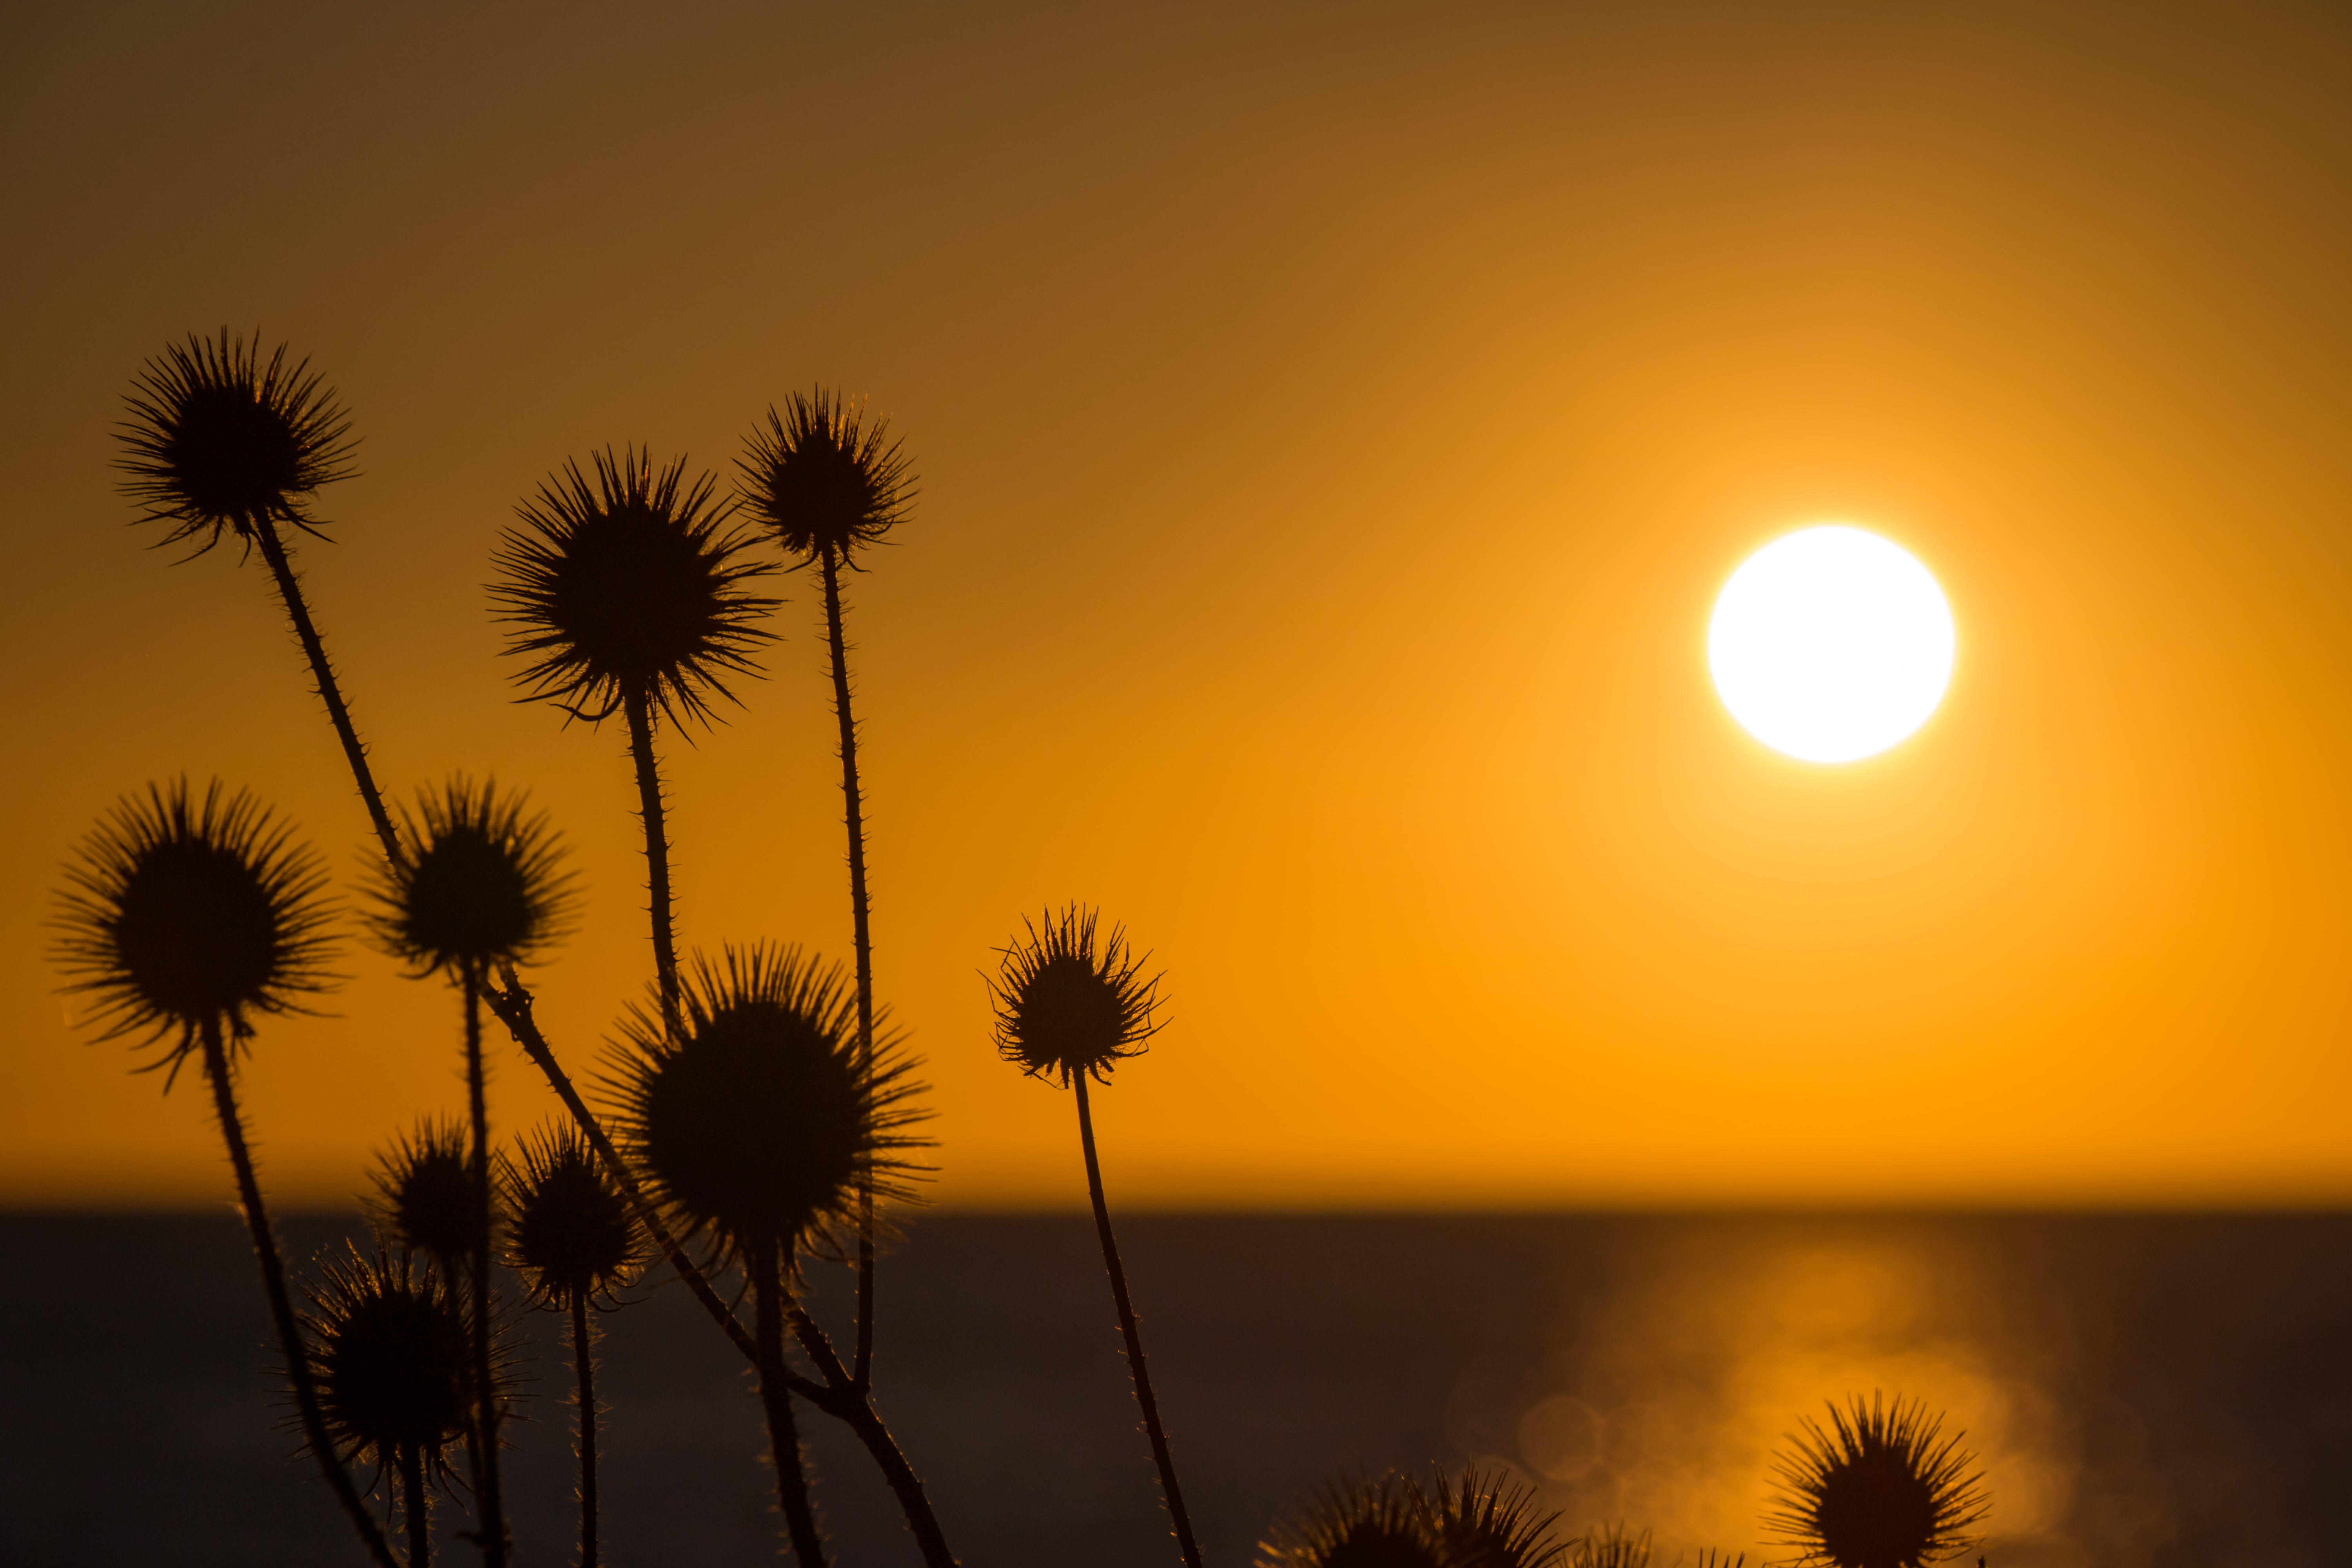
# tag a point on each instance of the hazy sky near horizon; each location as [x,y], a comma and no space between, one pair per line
[1334,422]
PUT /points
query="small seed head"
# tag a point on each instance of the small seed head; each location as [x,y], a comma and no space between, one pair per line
[477,881]
[1067,1004]
[821,481]
[571,1234]
[426,1198]
[390,1355]
[1382,1521]
[1881,1487]
[1485,1519]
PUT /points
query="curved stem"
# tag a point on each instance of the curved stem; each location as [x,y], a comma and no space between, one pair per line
[649,807]
[861,937]
[289,589]
[419,1519]
[583,1367]
[1134,1337]
[783,1435]
[493,1523]
[282,1307]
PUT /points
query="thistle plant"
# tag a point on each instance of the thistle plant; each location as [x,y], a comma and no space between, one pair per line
[1069,1010]
[626,594]
[1611,1546]
[756,1125]
[220,441]
[1879,1487]
[475,883]
[573,1237]
[1378,1521]
[426,1199]
[391,1353]
[186,920]
[826,485]
[1483,1519]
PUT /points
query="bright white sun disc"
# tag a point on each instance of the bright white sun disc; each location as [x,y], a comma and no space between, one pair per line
[1831,644]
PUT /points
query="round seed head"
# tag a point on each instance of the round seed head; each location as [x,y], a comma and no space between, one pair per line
[390,1354]
[629,588]
[1485,1519]
[759,1124]
[182,912]
[1384,1522]
[821,481]
[1612,1546]
[477,881]
[1067,1003]
[570,1234]
[218,439]
[426,1198]
[1881,1487]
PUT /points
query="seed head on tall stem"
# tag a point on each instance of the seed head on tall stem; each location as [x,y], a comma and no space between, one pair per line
[186,919]
[425,1197]
[1879,1487]
[825,485]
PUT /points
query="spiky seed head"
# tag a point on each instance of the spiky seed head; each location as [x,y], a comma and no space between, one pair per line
[182,912]
[821,481]
[220,439]
[1376,1521]
[759,1123]
[570,1232]
[1879,1487]
[1483,1519]
[391,1356]
[478,881]
[1068,1004]
[426,1199]
[629,586]
[1611,1546]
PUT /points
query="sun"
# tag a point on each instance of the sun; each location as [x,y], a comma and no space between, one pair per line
[1831,644]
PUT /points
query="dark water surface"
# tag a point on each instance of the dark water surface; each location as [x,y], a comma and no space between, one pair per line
[2142,1390]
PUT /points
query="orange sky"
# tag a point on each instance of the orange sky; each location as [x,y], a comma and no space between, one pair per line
[1334,422]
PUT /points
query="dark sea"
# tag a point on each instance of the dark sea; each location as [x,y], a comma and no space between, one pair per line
[2140,1390]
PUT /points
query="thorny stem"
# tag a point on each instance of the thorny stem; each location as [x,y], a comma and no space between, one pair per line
[783,1435]
[289,589]
[413,1503]
[1134,1336]
[583,1367]
[861,937]
[492,1524]
[290,1344]
[649,806]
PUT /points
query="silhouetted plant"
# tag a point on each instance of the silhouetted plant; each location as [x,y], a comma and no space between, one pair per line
[1881,1487]
[627,595]
[426,1199]
[475,882]
[220,441]
[391,1359]
[1612,1546]
[1485,1520]
[574,1237]
[756,1124]
[826,485]
[1377,1521]
[186,919]
[1067,1010]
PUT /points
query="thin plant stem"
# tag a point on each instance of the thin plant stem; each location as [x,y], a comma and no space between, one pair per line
[649,806]
[1133,1336]
[861,938]
[493,1522]
[784,1434]
[413,1504]
[289,589]
[583,1367]
[290,1344]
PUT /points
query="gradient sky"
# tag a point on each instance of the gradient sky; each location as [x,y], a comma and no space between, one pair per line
[1334,422]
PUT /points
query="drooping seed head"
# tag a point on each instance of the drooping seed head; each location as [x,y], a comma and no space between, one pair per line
[1382,1521]
[1881,1487]
[629,588]
[219,440]
[1485,1519]
[759,1124]
[1067,1003]
[390,1358]
[821,481]
[182,913]
[1611,1546]
[477,881]
[570,1232]
[426,1199]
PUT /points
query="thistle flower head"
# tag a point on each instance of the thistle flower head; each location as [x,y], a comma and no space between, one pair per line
[426,1199]
[217,439]
[759,1123]
[1067,1003]
[1881,1487]
[1381,1521]
[570,1232]
[1611,1546]
[1485,1519]
[183,913]
[629,588]
[476,880]
[823,480]
[391,1356]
